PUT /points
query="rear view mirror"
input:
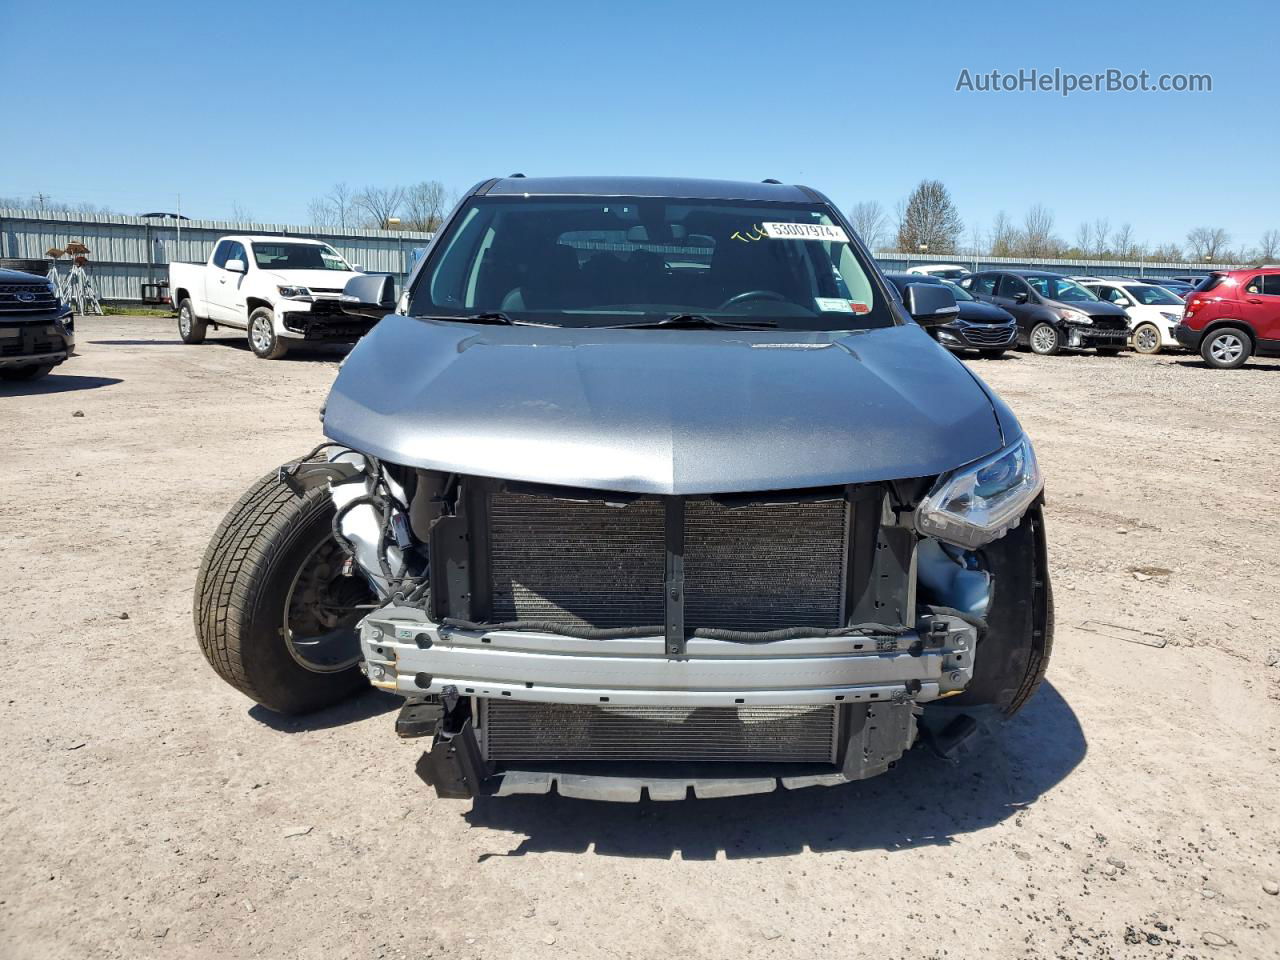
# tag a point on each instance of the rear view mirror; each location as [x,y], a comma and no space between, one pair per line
[370,295]
[235,266]
[930,304]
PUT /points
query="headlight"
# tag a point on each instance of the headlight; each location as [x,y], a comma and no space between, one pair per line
[1075,316]
[294,293]
[981,502]
[1171,317]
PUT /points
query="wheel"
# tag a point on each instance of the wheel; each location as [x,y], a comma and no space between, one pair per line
[991,354]
[25,373]
[1226,348]
[1045,340]
[1013,653]
[1146,338]
[274,613]
[190,327]
[262,335]
[1109,351]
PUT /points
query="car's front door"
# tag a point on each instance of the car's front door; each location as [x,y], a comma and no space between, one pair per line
[1014,295]
[983,286]
[1260,305]
[226,301]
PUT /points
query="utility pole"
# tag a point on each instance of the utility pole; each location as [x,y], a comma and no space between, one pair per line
[40,198]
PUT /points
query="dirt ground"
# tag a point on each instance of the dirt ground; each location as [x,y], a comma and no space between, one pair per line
[147,809]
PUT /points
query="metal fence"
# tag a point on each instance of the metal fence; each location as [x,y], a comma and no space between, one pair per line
[126,252]
[1106,268]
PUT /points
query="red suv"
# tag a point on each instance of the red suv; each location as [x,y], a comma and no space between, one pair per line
[1233,315]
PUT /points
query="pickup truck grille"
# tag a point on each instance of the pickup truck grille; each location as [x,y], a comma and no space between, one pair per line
[586,563]
[26,298]
[518,731]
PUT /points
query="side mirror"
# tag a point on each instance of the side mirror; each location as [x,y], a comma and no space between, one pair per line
[1020,297]
[235,266]
[369,295]
[930,304]
[357,267]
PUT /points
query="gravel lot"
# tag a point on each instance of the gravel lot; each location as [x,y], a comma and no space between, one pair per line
[149,810]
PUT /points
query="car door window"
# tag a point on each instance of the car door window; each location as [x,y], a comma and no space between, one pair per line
[1271,285]
[220,253]
[237,253]
[1011,286]
[984,285]
[1254,286]
[1111,295]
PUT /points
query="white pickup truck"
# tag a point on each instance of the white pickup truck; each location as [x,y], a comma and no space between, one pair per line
[277,289]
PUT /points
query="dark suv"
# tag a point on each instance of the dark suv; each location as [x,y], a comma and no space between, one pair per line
[36,329]
[1053,312]
[980,326]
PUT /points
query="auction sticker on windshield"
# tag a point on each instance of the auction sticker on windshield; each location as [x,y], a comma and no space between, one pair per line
[804,231]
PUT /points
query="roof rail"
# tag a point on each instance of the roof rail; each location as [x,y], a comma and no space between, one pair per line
[771,180]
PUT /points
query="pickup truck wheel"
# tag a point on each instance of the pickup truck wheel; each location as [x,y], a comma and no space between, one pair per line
[1226,348]
[1045,340]
[274,612]
[262,335]
[190,327]
[25,373]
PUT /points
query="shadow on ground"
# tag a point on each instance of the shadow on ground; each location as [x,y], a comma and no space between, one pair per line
[54,383]
[922,801]
[371,703]
[136,343]
[1252,365]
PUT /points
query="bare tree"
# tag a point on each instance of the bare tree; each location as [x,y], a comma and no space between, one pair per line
[1125,247]
[335,210]
[1208,243]
[1269,246]
[1166,251]
[1037,233]
[930,220]
[1004,236]
[1100,235]
[424,206]
[240,212]
[381,205]
[870,222]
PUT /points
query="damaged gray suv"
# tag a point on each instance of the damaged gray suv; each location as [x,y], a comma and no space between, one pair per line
[646,486]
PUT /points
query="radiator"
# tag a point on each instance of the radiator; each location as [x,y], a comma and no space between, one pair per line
[755,567]
[516,731]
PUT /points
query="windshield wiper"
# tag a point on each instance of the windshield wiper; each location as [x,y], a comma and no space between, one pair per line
[495,317]
[693,320]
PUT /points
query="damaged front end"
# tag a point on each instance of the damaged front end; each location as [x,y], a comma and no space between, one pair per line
[609,644]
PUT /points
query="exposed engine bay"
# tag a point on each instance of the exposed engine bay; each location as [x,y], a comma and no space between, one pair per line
[608,645]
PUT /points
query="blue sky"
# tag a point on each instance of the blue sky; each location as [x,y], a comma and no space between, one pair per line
[265,105]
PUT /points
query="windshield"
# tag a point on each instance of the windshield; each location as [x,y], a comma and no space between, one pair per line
[1153,296]
[1059,288]
[579,262]
[297,256]
[960,292]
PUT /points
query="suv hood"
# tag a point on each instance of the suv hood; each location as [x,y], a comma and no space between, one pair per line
[660,411]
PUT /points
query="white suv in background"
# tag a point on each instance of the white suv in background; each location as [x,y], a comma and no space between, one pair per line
[1154,312]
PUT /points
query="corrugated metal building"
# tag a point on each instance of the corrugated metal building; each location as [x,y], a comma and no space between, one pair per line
[127,252]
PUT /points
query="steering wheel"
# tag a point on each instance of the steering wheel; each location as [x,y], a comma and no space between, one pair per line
[752,295]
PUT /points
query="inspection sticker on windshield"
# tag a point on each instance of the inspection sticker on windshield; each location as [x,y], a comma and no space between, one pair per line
[804,231]
[833,305]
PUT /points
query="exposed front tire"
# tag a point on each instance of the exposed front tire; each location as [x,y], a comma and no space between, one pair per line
[190,327]
[1226,348]
[262,335]
[1013,654]
[1146,338]
[25,373]
[274,613]
[1045,340]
